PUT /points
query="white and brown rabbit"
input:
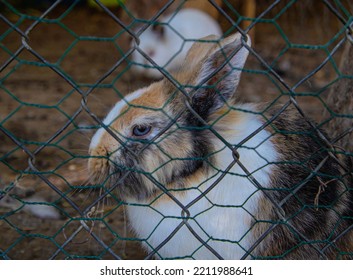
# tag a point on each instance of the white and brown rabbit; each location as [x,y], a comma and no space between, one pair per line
[196,186]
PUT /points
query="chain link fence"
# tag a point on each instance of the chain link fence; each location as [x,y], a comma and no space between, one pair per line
[64,64]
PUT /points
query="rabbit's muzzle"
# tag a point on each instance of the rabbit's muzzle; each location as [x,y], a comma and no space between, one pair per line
[118,171]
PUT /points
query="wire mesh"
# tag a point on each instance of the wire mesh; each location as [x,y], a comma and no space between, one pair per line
[64,65]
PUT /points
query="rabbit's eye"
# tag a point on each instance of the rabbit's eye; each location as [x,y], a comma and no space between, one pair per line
[141,130]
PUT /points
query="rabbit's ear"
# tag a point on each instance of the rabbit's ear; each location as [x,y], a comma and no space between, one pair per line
[219,74]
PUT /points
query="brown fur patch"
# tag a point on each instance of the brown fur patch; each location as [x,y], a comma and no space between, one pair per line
[154,98]
[198,53]
[224,118]
[308,217]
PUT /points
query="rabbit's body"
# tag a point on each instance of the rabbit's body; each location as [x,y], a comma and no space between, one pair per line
[233,180]
[168,43]
[224,223]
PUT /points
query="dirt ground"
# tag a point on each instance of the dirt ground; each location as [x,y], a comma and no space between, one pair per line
[37,103]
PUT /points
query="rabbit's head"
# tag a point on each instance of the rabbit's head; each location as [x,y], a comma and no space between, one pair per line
[158,137]
[155,43]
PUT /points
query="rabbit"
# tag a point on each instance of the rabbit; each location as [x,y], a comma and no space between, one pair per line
[197,186]
[341,103]
[167,41]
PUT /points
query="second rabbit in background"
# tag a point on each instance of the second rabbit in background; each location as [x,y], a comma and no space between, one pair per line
[168,40]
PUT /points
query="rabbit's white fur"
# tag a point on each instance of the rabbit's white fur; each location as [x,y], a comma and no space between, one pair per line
[168,50]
